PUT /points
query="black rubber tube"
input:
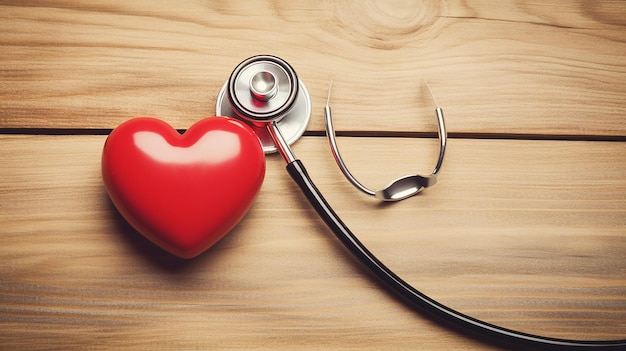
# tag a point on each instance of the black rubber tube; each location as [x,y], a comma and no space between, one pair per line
[471,325]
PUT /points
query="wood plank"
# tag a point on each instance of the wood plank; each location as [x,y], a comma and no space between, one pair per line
[526,234]
[551,67]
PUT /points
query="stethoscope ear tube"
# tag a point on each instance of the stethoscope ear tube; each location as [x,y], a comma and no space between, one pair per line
[269,71]
[420,301]
[400,188]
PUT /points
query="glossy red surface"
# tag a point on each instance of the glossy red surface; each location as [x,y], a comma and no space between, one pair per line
[183,192]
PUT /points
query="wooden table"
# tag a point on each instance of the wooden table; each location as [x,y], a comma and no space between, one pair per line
[526,227]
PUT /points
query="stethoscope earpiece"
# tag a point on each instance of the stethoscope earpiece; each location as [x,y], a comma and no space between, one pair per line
[265,92]
[403,187]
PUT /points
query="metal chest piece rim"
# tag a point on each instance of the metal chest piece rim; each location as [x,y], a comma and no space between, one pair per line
[266,88]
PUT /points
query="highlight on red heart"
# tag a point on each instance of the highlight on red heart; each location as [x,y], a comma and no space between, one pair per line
[183,192]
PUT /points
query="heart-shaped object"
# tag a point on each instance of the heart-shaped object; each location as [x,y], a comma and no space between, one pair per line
[184,192]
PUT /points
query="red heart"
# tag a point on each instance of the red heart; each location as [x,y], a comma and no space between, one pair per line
[183,192]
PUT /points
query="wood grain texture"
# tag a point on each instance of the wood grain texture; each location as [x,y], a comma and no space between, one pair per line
[533,246]
[520,231]
[553,67]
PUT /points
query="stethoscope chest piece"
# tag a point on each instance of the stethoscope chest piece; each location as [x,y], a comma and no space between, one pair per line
[265,88]
[265,92]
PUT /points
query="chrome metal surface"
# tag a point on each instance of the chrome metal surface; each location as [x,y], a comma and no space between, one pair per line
[402,187]
[443,137]
[263,86]
[258,71]
[292,124]
[279,140]
[330,132]
[405,187]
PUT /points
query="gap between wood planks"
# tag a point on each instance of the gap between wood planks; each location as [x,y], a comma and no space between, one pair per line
[498,136]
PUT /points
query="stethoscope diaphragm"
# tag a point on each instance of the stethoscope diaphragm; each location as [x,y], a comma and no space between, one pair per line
[249,96]
[263,88]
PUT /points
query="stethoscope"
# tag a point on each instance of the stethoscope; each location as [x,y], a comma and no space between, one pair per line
[265,92]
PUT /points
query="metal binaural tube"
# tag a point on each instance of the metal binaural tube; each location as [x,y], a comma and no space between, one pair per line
[401,188]
[330,130]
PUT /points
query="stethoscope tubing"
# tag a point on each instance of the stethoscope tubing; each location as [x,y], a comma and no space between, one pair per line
[418,300]
[513,338]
